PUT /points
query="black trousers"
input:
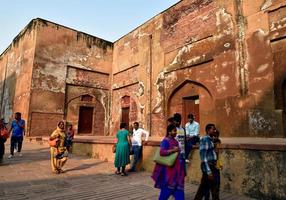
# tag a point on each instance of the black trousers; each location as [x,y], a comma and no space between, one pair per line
[209,185]
[14,141]
[2,147]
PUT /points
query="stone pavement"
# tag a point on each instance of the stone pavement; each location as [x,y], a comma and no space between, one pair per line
[30,177]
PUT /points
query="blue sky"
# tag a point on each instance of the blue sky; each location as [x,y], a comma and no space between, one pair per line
[102,18]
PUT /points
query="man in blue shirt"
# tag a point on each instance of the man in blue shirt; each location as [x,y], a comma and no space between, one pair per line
[18,132]
[192,134]
[208,165]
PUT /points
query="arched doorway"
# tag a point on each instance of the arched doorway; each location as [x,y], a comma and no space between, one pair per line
[128,111]
[87,115]
[191,98]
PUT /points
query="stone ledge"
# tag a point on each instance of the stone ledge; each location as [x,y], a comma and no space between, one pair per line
[265,144]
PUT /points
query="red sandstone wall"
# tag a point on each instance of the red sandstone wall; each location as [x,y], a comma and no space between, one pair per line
[16,64]
[231,52]
[65,57]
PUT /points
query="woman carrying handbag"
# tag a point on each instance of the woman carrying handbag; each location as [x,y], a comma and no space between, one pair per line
[59,152]
[170,179]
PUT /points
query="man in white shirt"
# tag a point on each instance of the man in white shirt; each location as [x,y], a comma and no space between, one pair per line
[137,136]
[192,133]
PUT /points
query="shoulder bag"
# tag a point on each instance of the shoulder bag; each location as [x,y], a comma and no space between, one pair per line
[168,160]
[54,142]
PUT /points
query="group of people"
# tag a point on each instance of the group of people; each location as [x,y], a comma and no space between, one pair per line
[128,144]
[170,179]
[17,132]
[59,152]
[63,138]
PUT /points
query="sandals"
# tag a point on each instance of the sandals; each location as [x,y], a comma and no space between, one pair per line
[117,172]
[123,174]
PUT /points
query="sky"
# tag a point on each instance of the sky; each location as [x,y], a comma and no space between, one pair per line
[106,19]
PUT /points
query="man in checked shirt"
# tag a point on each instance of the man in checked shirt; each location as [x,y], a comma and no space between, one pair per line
[208,165]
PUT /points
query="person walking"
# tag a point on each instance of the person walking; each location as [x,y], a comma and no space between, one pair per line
[59,153]
[18,132]
[122,153]
[170,179]
[210,173]
[192,135]
[136,140]
[3,138]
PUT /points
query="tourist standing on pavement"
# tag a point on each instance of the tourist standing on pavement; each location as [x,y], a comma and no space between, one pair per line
[170,180]
[3,137]
[192,134]
[122,153]
[59,153]
[136,140]
[18,132]
[210,173]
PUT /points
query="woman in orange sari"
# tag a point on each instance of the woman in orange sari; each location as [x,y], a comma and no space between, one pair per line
[59,153]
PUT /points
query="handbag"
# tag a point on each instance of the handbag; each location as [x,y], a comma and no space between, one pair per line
[168,160]
[114,148]
[54,142]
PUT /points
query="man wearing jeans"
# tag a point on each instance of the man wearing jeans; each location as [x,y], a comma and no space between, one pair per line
[192,134]
[137,144]
[210,178]
[17,129]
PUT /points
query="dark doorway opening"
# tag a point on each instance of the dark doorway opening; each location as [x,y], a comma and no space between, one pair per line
[125,116]
[191,105]
[85,119]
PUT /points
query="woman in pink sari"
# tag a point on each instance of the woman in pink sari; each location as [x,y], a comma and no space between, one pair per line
[170,180]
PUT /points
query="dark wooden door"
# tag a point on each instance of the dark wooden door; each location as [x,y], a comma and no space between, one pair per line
[85,119]
[125,116]
[191,105]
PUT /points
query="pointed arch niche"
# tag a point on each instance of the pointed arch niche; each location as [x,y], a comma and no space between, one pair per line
[86,114]
[191,97]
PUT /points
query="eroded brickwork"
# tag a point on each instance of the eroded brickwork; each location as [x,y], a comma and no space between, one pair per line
[227,56]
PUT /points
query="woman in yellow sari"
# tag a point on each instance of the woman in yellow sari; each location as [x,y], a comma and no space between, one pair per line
[59,153]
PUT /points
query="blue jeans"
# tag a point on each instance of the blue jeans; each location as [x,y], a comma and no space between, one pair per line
[167,192]
[189,145]
[137,152]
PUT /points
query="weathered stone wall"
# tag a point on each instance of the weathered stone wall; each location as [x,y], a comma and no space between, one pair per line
[229,53]
[256,173]
[63,58]
[16,64]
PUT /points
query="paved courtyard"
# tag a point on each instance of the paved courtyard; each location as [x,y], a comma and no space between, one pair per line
[30,177]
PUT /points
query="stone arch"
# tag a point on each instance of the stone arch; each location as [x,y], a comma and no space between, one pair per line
[75,108]
[128,104]
[191,96]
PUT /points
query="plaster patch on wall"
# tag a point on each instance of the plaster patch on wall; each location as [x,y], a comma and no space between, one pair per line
[160,89]
[262,68]
[181,52]
[195,59]
[221,81]
[141,89]
[223,18]
[171,78]
[127,44]
[224,64]
[227,108]
[266,4]
[227,45]
[259,122]
[278,24]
